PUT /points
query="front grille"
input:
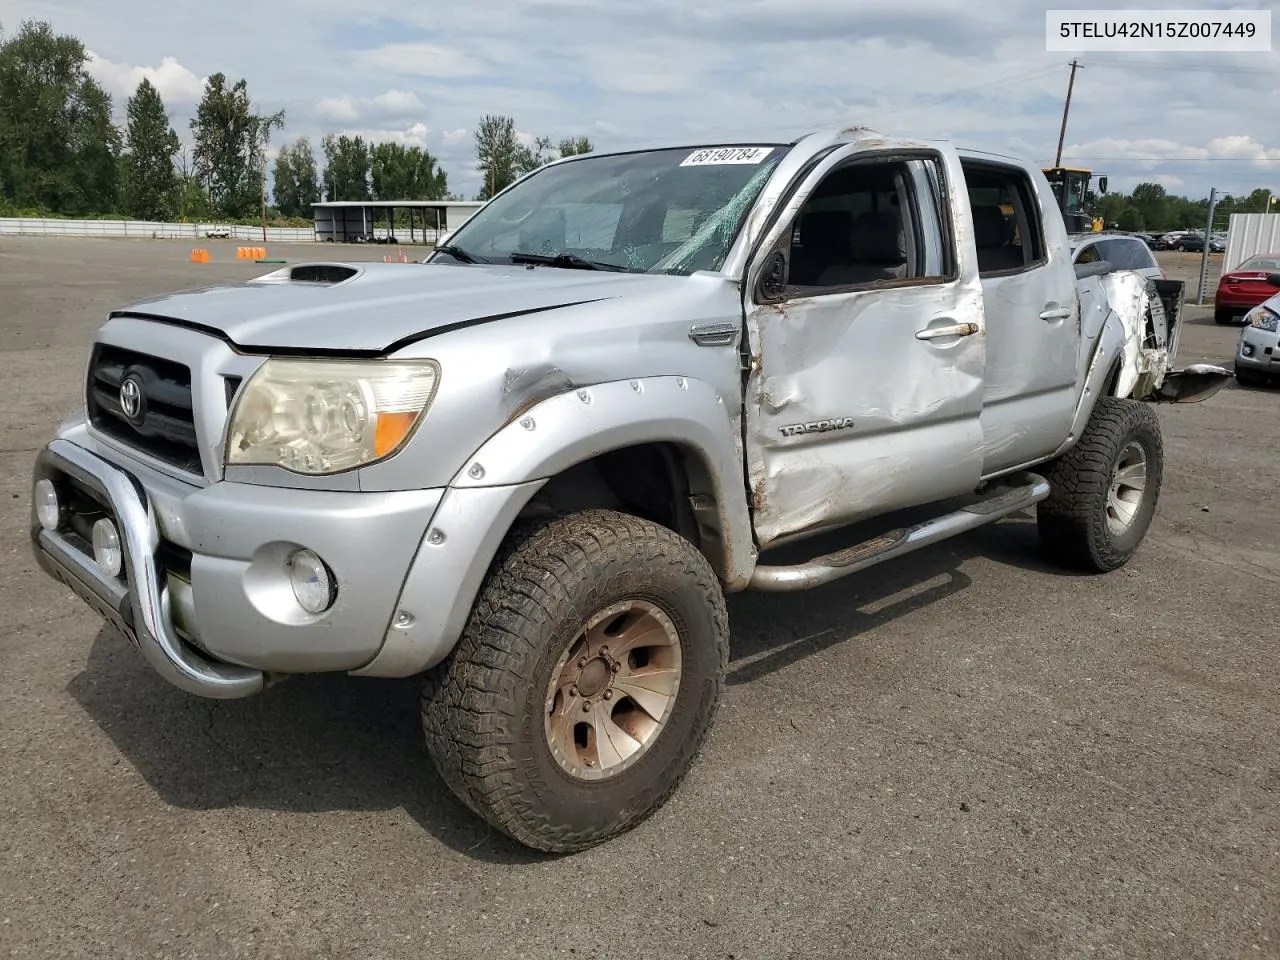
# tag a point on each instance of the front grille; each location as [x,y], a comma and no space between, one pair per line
[163,424]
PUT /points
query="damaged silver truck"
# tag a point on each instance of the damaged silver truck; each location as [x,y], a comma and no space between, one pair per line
[531,467]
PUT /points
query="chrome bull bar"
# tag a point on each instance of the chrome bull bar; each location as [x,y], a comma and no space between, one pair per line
[141,610]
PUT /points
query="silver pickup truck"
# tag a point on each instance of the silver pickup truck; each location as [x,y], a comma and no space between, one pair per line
[531,467]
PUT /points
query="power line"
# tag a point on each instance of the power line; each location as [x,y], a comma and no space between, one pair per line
[1182,67]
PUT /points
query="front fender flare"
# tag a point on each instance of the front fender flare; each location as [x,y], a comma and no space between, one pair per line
[575,426]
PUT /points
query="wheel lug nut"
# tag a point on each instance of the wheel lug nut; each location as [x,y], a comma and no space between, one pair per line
[608,694]
[586,707]
[573,691]
[615,667]
[582,663]
[604,651]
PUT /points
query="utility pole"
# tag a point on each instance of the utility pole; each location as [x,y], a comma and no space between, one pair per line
[1062,134]
[1208,232]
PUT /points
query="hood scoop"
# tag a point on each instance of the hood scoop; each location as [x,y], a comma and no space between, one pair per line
[329,274]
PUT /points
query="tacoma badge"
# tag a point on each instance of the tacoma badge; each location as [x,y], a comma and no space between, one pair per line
[817,426]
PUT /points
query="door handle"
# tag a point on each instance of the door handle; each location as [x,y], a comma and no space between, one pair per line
[955,330]
[715,334]
[1059,314]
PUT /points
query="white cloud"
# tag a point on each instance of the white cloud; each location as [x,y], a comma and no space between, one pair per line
[414,135]
[392,105]
[342,109]
[420,60]
[398,102]
[630,75]
[175,82]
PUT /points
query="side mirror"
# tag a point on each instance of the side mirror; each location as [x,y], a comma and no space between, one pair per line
[1273,279]
[773,282]
[1102,184]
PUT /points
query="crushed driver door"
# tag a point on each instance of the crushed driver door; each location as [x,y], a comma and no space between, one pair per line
[867,334]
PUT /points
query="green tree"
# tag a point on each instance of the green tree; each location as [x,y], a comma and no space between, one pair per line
[149,180]
[574,146]
[189,197]
[529,159]
[58,147]
[1256,202]
[230,146]
[296,179]
[1152,203]
[499,155]
[346,167]
[405,173]
[1130,218]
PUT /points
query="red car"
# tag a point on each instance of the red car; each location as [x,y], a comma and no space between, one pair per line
[1245,287]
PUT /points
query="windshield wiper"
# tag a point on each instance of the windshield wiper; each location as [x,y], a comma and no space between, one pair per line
[457,253]
[567,261]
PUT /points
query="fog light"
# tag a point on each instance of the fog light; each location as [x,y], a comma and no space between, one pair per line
[48,510]
[1247,349]
[312,583]
[106,548]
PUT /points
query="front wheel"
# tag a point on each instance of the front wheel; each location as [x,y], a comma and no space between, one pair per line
[1103,491]
[1250,378]
[584,683]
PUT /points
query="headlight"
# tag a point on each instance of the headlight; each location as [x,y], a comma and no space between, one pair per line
[326,416]
[1263,319]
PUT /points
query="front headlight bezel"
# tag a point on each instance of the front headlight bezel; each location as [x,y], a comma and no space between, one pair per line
[376,384]
[1262,318]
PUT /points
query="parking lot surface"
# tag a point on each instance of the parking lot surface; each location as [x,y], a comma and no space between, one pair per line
[964,753]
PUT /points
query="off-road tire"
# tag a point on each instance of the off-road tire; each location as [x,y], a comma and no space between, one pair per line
[1072,521]
[483,708]
[1250,378]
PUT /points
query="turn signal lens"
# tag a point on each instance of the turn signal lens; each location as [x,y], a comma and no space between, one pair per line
[392,430]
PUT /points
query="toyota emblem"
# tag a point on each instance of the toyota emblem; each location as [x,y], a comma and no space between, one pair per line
[131,397]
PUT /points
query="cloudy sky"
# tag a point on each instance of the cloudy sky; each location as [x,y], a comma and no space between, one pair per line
[630,73]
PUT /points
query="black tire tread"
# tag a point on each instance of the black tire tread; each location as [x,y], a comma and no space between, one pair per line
[1072,525]
[470,702]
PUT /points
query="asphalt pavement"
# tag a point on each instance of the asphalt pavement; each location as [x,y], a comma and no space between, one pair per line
[964,753]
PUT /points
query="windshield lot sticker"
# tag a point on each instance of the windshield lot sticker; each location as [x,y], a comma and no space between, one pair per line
[717,155]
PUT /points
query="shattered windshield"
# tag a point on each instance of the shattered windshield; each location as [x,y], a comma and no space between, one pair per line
[660,211]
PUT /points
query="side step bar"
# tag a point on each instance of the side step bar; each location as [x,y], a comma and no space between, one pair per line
[1014,494]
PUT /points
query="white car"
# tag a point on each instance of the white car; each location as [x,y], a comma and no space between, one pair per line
[1258,353]
[1124,251]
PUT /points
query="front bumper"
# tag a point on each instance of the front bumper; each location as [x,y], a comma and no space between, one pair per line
[205,595]
[1258,350]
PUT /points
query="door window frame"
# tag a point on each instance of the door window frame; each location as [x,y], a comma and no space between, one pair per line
[939,195]
[1027,212]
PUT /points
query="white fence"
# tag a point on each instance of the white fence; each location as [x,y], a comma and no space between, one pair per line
[1250,234]
[147,230]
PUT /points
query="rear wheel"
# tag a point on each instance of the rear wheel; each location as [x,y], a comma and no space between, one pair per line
[1104,490]
[585,682]
[1223,316]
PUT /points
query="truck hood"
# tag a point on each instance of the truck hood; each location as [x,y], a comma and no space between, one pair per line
[376,308]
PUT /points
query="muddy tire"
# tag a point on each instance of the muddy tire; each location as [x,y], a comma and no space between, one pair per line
[584,683]
[1104,490]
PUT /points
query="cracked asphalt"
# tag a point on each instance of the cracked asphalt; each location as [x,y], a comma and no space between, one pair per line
[965,753]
